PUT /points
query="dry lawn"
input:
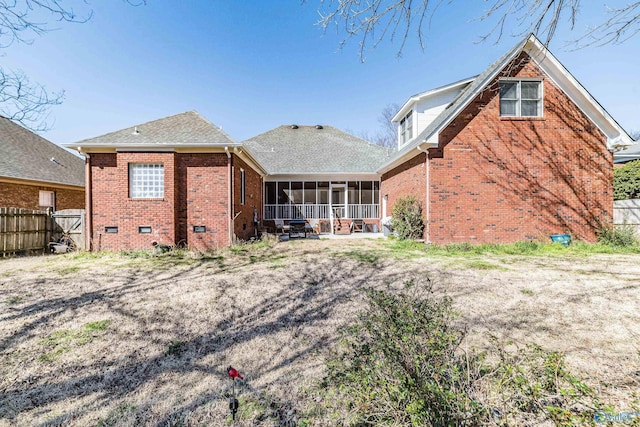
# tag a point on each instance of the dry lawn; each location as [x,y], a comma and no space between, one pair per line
[120,340]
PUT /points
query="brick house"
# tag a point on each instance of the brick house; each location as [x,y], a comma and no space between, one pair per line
[37,174]
[320,174]
[518,152]
[176,180]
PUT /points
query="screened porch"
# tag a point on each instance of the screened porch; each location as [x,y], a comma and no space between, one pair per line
[289,200]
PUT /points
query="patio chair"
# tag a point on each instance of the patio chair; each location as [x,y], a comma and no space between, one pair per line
[357,225]
[314,225]
[280,227]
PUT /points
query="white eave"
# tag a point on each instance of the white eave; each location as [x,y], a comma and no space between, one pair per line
[420,96]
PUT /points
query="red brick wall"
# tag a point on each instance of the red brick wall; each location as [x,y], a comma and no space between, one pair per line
[243,224]
[496,179]
[202,196]
[25,196]
[111,205]
[408,179]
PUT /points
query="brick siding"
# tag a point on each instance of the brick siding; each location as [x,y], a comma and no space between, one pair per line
[496,179]
[27,196]
[243,223]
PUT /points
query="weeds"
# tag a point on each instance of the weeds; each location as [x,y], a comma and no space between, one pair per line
[401,363]
[621,236]
[176,348]
[64,340]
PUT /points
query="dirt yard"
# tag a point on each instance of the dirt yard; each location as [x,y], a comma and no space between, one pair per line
[133,340]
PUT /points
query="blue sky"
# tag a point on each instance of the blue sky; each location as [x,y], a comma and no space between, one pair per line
[250,66]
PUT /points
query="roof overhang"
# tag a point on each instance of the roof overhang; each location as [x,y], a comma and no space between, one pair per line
[333,176]
[394,163]
[420,96]
[36,183]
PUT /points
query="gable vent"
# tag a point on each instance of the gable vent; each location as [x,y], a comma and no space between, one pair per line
[294,126]
[319,127]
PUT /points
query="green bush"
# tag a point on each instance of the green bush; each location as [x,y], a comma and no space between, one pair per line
[399,364]
[407,219]
[626,181]
[618,236]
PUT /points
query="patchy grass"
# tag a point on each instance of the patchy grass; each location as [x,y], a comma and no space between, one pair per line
[144,339]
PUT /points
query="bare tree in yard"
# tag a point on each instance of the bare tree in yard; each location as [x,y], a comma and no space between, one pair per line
[387,134]
[21,100]
[376,20]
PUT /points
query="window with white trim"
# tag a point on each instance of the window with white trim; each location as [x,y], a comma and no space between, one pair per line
[521,98]
[146,180]
[406,128]
[48,199]
[242,187]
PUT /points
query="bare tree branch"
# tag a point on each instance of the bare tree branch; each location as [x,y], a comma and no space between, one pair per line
[372,21]
[25,102]
[20,21]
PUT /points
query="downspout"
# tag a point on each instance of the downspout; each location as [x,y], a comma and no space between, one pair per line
[427,194]
[87,201]
[229,172]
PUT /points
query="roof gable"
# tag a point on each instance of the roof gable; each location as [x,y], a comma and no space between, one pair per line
[184,129]
[25,155]
[314,150]
[616,135]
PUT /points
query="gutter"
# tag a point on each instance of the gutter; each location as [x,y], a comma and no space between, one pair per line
[427,193]
[88,218]
[230,199]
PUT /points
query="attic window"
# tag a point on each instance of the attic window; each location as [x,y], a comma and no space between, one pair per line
[520,98]
[406,128]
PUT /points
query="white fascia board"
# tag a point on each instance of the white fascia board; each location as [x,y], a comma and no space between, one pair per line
[615,134]
[417,98]
[323,177]
[246,156]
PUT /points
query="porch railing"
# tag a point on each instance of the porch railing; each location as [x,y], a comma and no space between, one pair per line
[317,211]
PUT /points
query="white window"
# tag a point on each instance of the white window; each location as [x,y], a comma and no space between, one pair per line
[48,199]
[406,128]
[242,188]
[521,98]
[146,181]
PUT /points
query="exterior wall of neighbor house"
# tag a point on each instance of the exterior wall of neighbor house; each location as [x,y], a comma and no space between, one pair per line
[408,179]
[243,225]
[111,205]
[27,196]
[202,195]
[497,179]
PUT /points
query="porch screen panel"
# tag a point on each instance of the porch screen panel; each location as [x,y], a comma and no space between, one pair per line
[354,192]
[270,193]
[283,193]
[366,192]
[323,193]
[376,192]
[296,192]
[309,193]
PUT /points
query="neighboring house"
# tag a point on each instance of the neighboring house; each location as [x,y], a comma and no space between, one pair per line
[37,174]
[626,155]
[179,180]
[517,153]
[319,173]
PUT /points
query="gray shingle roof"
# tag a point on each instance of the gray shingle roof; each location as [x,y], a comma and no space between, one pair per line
[188,128]
[466,95]
[25,155]
[308,150]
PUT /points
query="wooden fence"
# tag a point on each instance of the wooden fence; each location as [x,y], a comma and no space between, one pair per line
[627,212]
[27,231]
[23,230]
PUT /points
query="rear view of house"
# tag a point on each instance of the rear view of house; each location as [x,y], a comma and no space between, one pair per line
[179,180]
[517,153]
[37,174]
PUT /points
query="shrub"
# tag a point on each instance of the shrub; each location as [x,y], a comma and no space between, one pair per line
[626,181]
[618,236]
[399,364]
[407,219]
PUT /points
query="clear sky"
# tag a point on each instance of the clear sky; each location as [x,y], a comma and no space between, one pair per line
[253,65]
